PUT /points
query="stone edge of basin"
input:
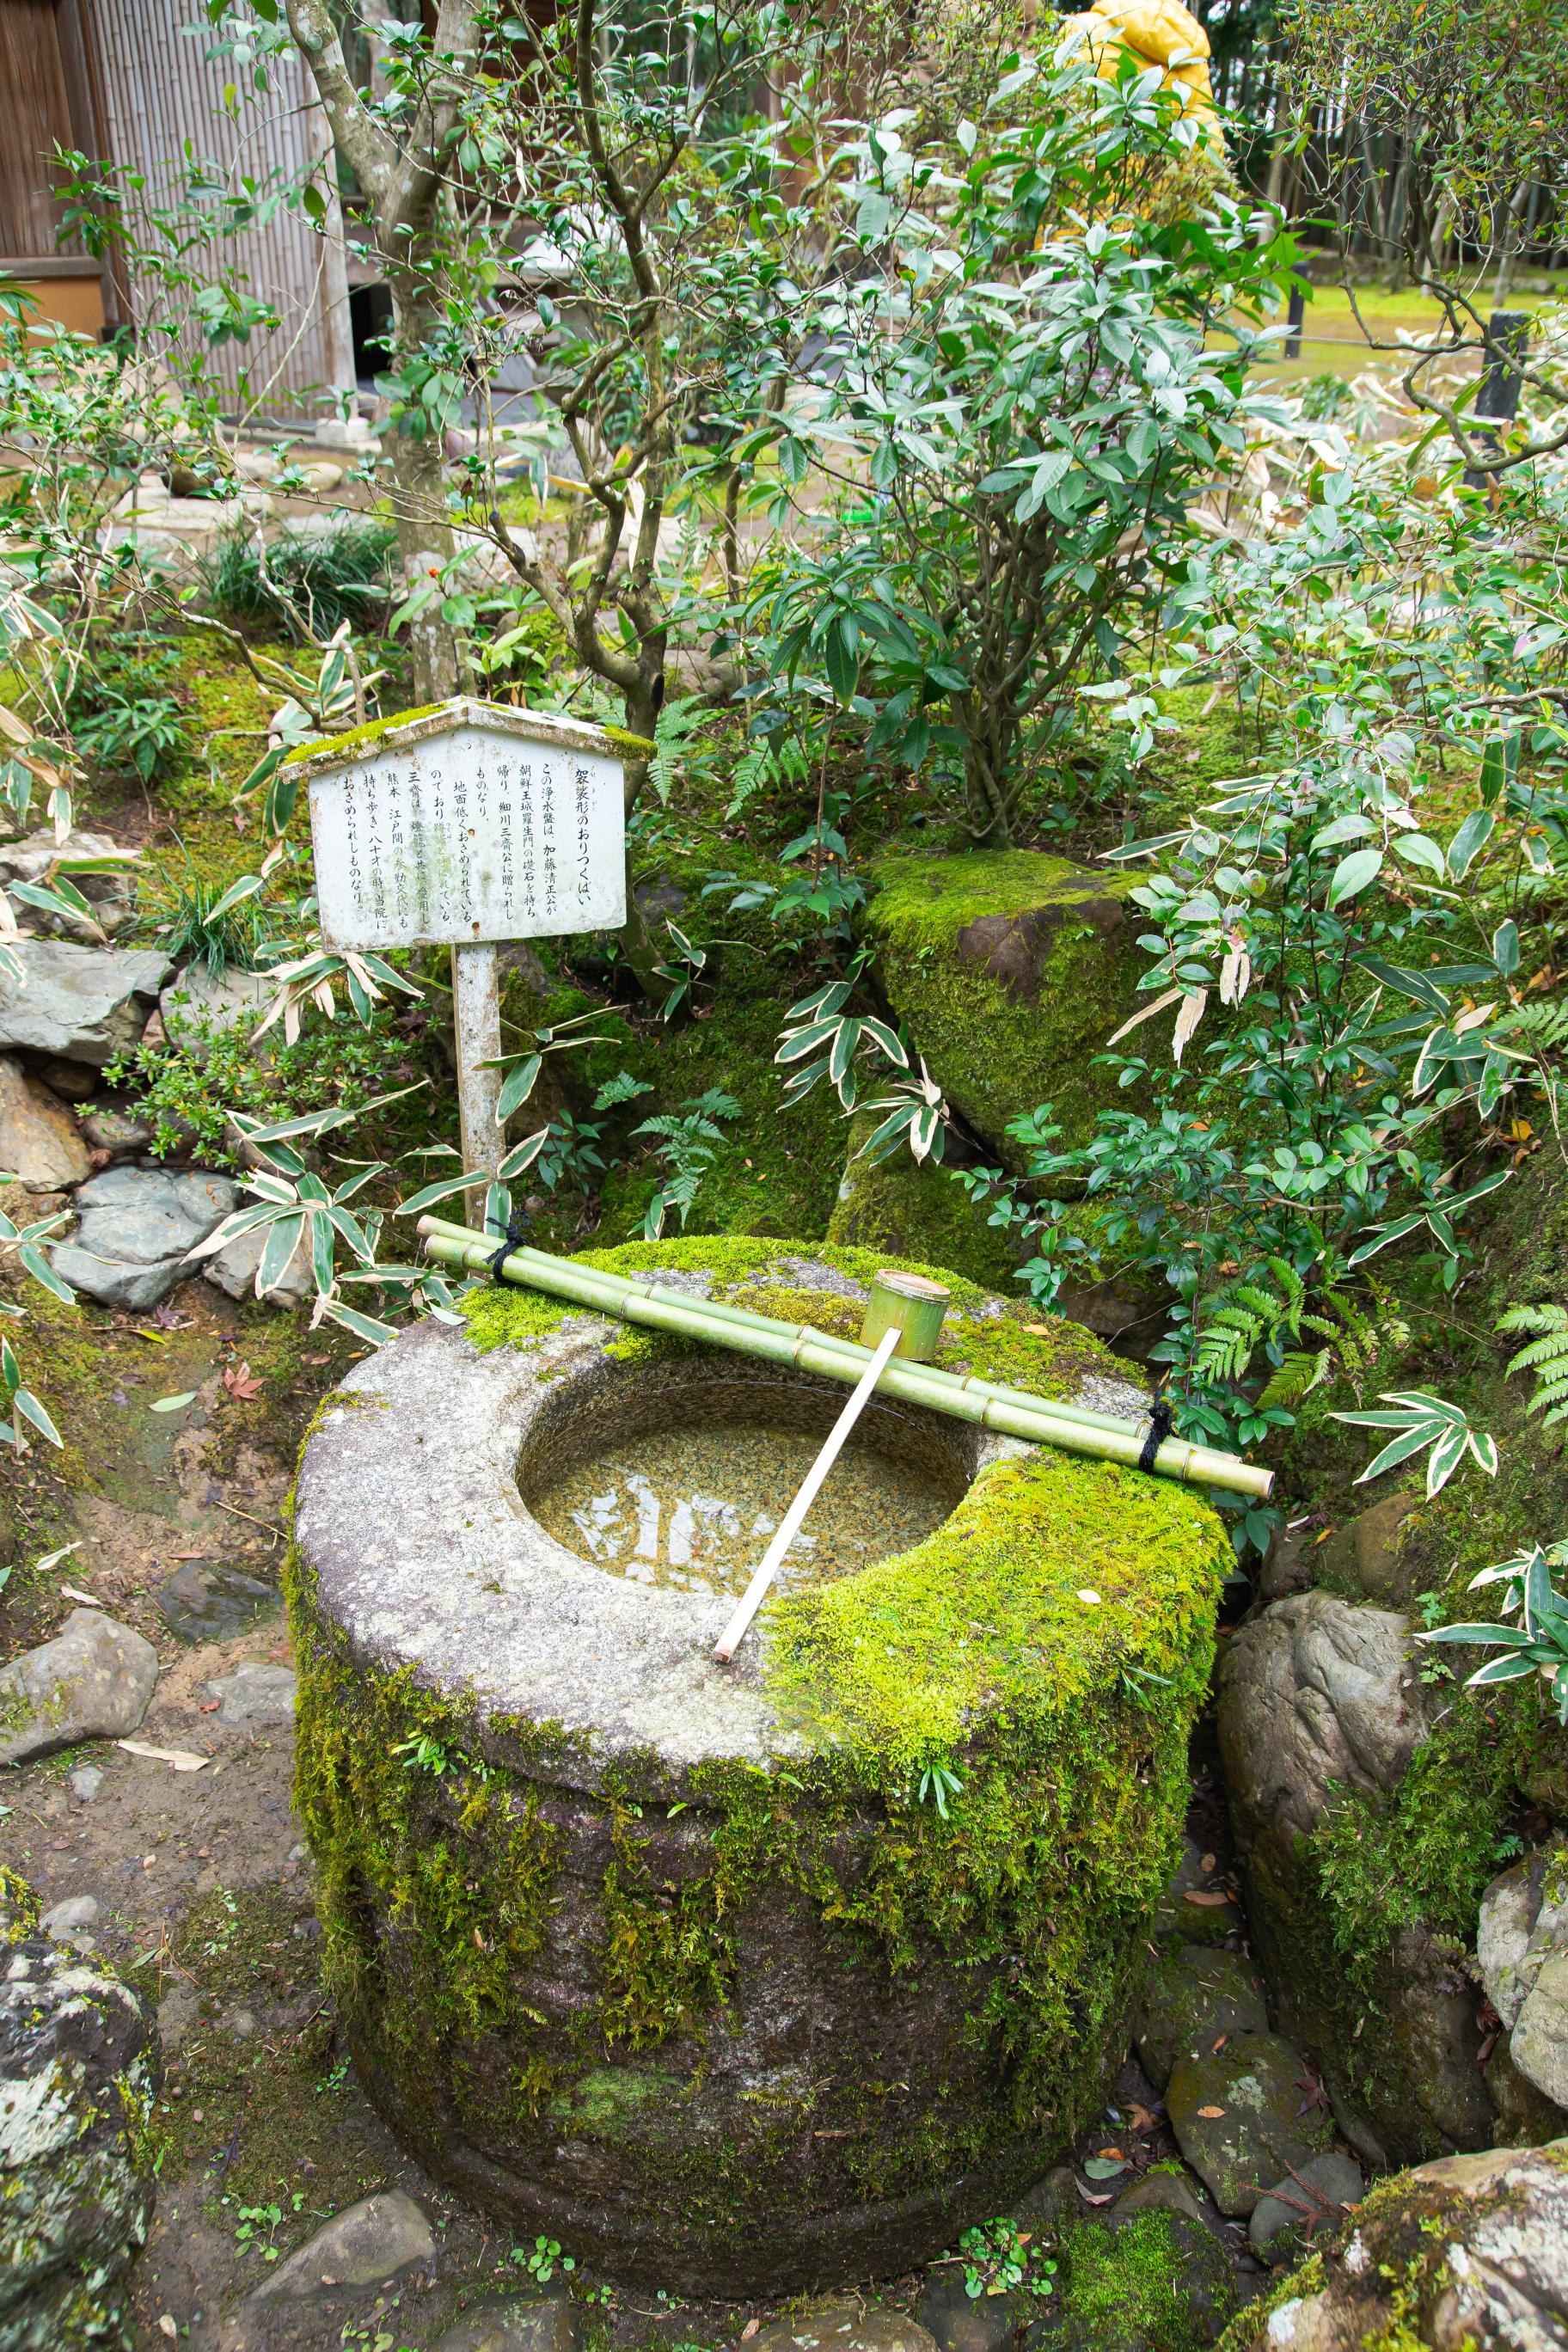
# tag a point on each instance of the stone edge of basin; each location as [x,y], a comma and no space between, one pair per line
[422,1554]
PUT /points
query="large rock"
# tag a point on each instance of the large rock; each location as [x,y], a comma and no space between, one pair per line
[1196,1995]
[198,1009]
[1522,1945]
[1299,2207]
[40,1142]
[135,1228]
[1032,954]
[1467,2254]
[1319,1697]
[1244,2115]
[84,1003]
[78,2075]
[93,1681]
[110,895]
[365,2245]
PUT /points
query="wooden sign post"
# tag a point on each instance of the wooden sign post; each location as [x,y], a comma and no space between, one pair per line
[463,826]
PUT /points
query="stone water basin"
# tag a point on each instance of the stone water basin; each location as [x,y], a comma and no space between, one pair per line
[686,1965]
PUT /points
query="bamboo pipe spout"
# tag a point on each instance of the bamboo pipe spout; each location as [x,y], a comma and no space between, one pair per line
[1011,1411]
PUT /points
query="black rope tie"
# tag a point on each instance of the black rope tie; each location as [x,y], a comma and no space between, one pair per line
[516,1236]
[1162,1421]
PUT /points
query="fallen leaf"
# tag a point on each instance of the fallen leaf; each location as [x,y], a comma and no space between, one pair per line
[1140,2117]
[1038,1330]
[173,1403]
[1206,1864]
[184,1760]
[143,1333]
[748,2330]
[1089,1596]
[209,1707]
[75,1593]
[1089,2196]
[1105,2168]
[167,2324]
[1210,1898]
[1213,2114]
[53,1559]
[242,1384]
[1219,2044]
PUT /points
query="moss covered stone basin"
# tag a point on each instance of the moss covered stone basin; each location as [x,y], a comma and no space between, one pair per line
[709,1972]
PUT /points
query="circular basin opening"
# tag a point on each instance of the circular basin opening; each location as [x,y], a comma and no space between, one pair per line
[679,1481]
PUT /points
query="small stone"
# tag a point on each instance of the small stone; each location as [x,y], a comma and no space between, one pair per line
[240,2023]
[1295,2212]
[1163,2192]
[344,433]
[512,2322]
[135,1227]
[62,1920]
[234,1269]
[76,1082]
[86,1781]
[1197,1994]
[93,1681]
[83,1003]
[957,2321]
[199,1603]
[845,2325]
[121,1133]
[110,893]
[256,1694]
[365,2245]
[1193,1910]
[40,1143]
[1042,2208]
[177,2012]
[1239,2121]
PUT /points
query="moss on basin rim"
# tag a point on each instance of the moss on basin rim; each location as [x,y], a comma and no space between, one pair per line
[802,2021]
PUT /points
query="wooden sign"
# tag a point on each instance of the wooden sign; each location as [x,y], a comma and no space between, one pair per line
[462,826]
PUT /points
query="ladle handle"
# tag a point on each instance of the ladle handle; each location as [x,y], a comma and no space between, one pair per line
[751,1599]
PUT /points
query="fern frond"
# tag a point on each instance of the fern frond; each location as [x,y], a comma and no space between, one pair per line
[1546,1355]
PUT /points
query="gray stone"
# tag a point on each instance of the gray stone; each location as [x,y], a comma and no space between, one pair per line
[844,2325]
[1238,2118]
[234,1268]
[256,1694]
[1193,1909]
[1522,1945]
[1296,2212]
[517,2322]
[957,2321]
[1525,2118]
[41,1144]
[86,1781]
[93,1681]
[1468,2252]
[365,2245]
[1366,1556]
[78,2072]
[1315,1694]
[84,1003]
[197,1009]
[107,1126]
[110,895]
[64,1919]
[199,1603]
[135,1229]
[1195,1995]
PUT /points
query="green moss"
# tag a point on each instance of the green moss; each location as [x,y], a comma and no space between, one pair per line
[1147,2281]
[999,1047]
[359,738]
[439,1835]
[916,1211]
[19,1909]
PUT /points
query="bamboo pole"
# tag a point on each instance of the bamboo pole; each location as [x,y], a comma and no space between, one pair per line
[1011,1411]
[744,1319]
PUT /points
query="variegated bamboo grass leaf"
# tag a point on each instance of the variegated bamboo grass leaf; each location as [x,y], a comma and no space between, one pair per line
[310,979]
[1424,1424]
[916,1114]
[1539,1643]
[270,1139]
[524,1068]
[287,1211]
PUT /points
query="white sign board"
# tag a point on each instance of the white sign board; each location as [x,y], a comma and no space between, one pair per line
[473,822]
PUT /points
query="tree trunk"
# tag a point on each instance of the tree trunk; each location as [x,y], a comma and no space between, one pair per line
[640,950]
[425,540]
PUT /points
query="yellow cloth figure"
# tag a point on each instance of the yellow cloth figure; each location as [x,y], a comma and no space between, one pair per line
[1155,32]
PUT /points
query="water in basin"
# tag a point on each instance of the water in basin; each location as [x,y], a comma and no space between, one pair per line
[695,1507]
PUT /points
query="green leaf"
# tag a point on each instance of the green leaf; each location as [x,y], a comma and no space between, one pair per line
[25,1403]
[1352,874]
[1468,842]
[173,1403]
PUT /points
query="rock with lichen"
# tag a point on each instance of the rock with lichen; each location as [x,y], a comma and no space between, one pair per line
[78,2075]
[1467,2252]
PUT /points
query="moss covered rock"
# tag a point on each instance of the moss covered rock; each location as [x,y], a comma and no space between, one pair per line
[707,1969]
[77,2082]
[1467,2252]
[1146,2279]
[908,1211]
[1011,969]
